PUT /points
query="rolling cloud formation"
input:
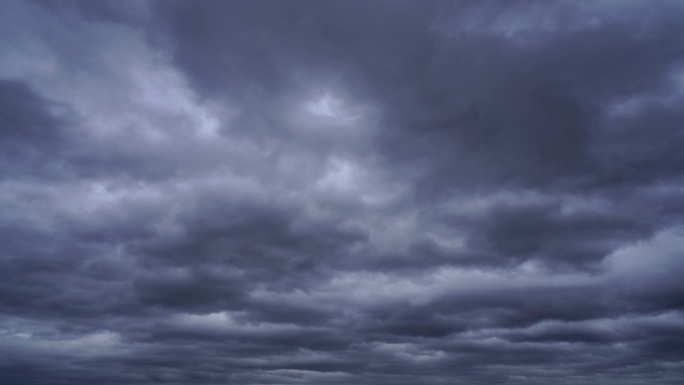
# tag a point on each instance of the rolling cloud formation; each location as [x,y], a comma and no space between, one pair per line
[341,192]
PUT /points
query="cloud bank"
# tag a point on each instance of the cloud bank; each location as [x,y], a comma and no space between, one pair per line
[341,192]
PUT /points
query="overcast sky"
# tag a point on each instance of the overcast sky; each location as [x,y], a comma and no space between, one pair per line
[377,192]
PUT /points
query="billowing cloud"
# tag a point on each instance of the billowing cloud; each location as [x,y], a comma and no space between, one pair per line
[337,192]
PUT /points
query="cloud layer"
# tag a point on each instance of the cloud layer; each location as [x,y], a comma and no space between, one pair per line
[341,192]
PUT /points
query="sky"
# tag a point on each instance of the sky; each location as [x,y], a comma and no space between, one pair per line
[332,192]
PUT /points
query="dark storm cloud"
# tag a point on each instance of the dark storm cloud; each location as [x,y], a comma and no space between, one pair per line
[32,128]
[336,192]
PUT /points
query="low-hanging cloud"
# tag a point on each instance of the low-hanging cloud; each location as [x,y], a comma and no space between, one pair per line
[337,192]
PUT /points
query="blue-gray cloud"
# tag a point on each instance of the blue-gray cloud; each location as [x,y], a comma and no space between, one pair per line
[308,192]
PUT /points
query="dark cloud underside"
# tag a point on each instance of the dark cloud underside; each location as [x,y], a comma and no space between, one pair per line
[341,192]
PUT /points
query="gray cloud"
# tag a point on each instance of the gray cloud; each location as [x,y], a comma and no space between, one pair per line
[306,192]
